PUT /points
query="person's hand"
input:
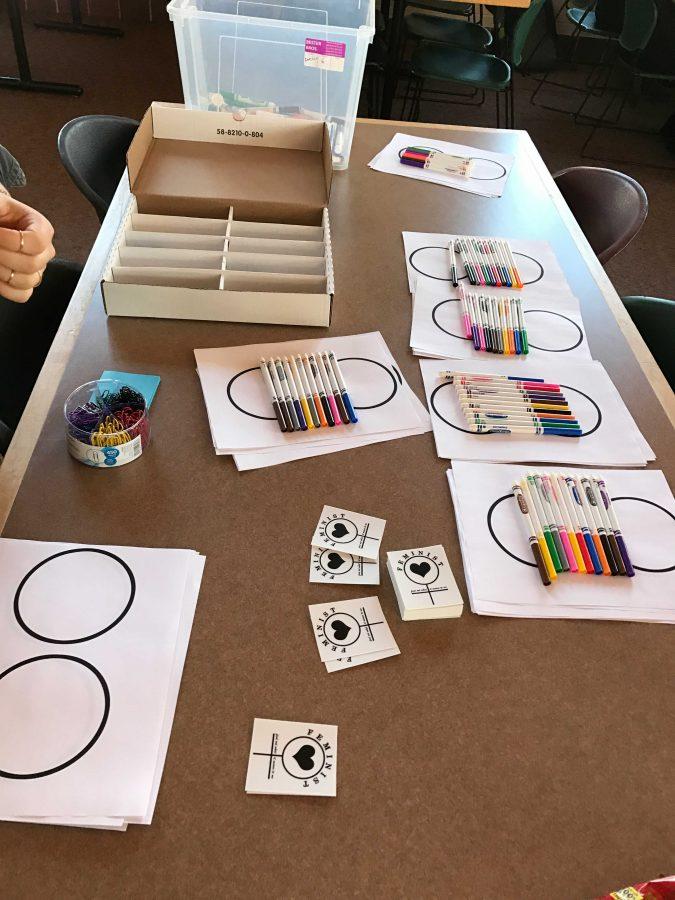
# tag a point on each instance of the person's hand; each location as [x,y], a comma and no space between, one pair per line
[25,248]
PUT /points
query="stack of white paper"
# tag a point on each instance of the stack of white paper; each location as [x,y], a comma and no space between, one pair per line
[424,585]
[242,419]
[428,261]
[488,174]
[92,646]
[503,580]
[610,436]
[555,329]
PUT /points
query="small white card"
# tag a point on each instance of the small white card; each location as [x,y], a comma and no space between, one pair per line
[424,584]
[349,532]
[333,567]
[292,758]
[348,662]
[350,628]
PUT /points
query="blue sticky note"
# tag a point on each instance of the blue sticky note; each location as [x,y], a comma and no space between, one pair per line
[144,384]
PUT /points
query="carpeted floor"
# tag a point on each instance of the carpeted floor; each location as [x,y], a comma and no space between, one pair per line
[122,76]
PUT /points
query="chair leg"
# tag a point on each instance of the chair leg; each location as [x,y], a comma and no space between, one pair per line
[418,99]
[512,91]
[499,124]
[407,96]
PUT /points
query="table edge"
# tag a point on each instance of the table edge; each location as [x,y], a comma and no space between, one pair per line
[15,463]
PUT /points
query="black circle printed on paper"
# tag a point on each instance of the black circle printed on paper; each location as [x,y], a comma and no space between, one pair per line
[560,316]
[494,537]
[527,562]
[438,325]
[345,557]
[468,177]
[382,366]
[301,743]
[663,509]
[21,776]
[88,637]
[462,277]
[253,415]
[432,404]
[337,619]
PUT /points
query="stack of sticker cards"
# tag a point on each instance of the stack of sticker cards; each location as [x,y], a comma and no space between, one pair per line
[92,645]
[292,758]
[351,633]
[424,584]
[503,575]
[241,404]
[346,548]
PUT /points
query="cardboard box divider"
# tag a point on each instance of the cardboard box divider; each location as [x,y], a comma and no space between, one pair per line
[223,226]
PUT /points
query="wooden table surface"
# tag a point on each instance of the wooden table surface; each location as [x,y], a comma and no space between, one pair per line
[495,758]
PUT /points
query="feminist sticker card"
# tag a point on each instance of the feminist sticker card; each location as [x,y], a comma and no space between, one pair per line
[292,758]
[333,567]
[350,628]
[348,662]
[349,532]
[424,584]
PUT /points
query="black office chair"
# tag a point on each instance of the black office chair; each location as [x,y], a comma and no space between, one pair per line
[655,320]
[93,151]
[26,334]
[609,206]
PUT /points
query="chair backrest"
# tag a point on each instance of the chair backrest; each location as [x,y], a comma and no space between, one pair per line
[609,206]
[93,151]
[639,22]
[655,320]
[521,31]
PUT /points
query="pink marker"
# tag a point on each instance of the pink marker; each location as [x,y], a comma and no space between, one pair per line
[465,312]
[560,522]
[329,393]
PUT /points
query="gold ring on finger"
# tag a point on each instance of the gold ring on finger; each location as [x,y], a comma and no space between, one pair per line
[20,241]
[11,276]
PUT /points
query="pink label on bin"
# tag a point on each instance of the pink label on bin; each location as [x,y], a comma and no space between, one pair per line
[325,54]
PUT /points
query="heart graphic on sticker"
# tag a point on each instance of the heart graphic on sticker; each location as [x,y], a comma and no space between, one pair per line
[420,569]
[334,561]
[340,629]
[305,757]
[339,530]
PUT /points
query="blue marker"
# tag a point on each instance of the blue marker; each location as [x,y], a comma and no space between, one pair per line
[353,418]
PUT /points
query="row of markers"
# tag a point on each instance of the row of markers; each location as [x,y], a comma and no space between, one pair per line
[308,392]
[507,404]
[494,324]
[571,526]
[487,261]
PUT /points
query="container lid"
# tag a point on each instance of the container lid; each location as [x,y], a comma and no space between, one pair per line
[338,14]
[199,163]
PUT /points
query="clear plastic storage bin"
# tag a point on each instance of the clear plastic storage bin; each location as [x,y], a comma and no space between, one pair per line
[255,57]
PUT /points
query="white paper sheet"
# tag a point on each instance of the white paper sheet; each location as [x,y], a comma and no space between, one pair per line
[611,437]
[72,596]
[428,263]
[489,172]
[498,564]
[555,329]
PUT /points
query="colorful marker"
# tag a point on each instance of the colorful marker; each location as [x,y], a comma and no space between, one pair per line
[315,391]
[609,532]
[329,394]
[294,395]
[598,523]
[549,518]
[339,402]
[302,397]
[630,571]
[327,411]
[286,390]
[314,413]
[539,528]
[281,418]
[353,418]
[531,534]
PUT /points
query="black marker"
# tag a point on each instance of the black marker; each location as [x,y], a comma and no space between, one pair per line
[281,418]
[453,268]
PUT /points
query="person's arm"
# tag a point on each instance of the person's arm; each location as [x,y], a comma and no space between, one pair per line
[25,248]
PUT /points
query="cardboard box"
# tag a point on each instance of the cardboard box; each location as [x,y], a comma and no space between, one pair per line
[228,220]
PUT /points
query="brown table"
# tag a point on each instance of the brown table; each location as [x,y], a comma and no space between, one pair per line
[494,757]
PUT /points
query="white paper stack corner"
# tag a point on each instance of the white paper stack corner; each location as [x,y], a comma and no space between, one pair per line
[424,584]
